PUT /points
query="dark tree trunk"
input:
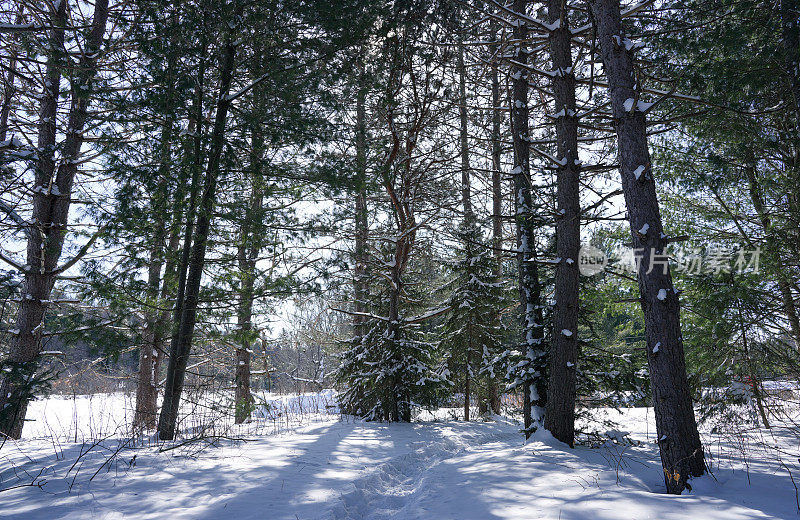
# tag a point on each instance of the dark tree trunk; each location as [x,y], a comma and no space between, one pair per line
[681,452]
[166,223]
[773,250]
[463,119]
[751,372]
[51,202]
[790,34]
[248,251]
[466,200]
[534,389]
[149,353]
[360,283]
[146,384]
[497,205]
[243,398]
[560,412]
[180,347]
[790,28]
[9,89]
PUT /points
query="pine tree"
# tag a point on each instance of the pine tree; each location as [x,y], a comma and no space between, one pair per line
[52,195]
[472,336]
[679,442]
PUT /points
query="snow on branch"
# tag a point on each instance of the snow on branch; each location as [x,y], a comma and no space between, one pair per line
[361,314]
[428,315]
[521,17]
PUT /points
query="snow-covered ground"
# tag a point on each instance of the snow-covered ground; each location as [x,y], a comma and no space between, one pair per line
[321,466]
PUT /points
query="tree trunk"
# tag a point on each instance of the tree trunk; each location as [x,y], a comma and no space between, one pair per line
[146,386]
[149,353]
[534,389]
[9,89]
[466,200]
[360,283]
[51,202]
[180,347]
[243,398]
[754,379]
[790,29]
[497,205]
[774,253]
[681,452]
[463,132]
[248,251]
[560,412]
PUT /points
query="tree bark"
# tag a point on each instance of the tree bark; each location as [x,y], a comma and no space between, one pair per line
[466,200]
[497,204]
[534,386]
[146,385]
[360,284]
[180,347]
[560,412]
[9,89]
[790,35]
[248,251]
[679,442]
[773,251]
[149,353]
[790,29]
[51,202]
[463,119]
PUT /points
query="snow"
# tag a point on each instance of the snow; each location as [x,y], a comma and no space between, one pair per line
[662,294]
[344,469]
[628,105]
[644,229]
[638,172]
[643,106]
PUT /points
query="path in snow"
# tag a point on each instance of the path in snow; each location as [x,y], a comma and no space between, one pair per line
[354,470]
[492,477]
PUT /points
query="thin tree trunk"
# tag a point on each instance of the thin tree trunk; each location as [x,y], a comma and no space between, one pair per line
[790,29]
[560,412]
[146,385]
[182,341]
[790,34]
[754,380]
[497,204]
[679,442]
[9,89]
[774,253]
[243,397]
[149,353]
[463,118]
[195,151]
[534,389]
[248,251]
[51,202]
[466,200]
[360,285]
[147,388]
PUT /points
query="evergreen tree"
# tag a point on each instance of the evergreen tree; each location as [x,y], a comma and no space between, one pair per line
[472,336]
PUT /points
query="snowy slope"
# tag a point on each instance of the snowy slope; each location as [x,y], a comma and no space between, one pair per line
[332,469]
